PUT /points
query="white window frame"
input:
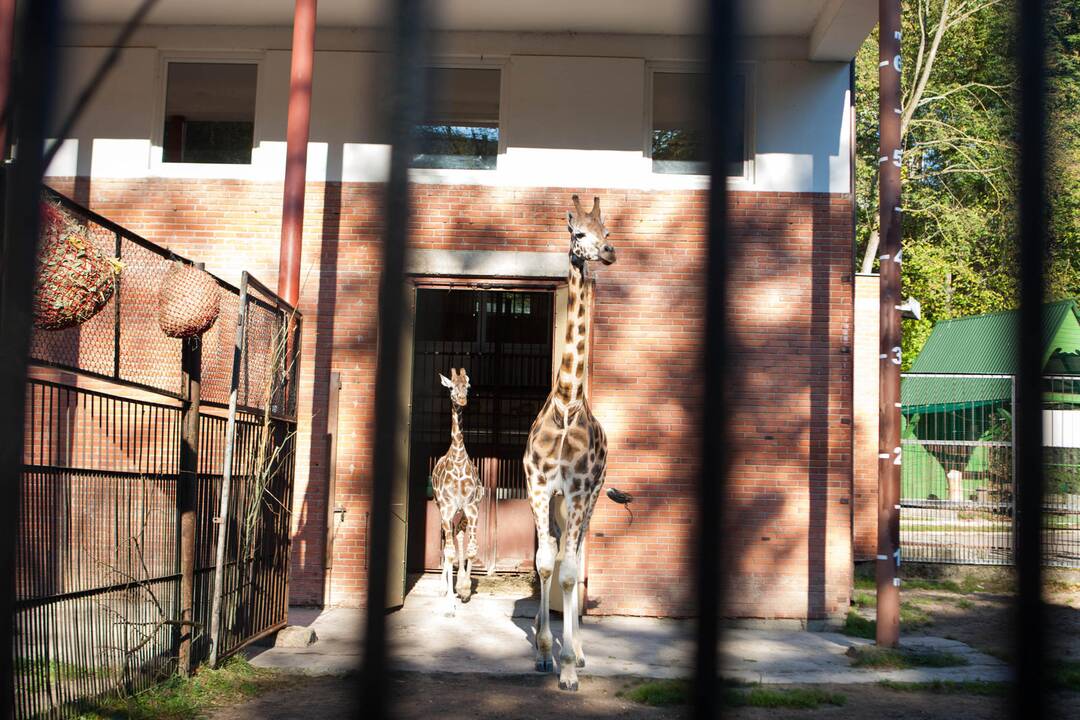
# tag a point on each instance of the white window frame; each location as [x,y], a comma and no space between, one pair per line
[465,175]
[160,168]
[748,71]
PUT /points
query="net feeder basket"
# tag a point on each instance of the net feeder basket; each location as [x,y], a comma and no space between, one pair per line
[189,303]
[74,280]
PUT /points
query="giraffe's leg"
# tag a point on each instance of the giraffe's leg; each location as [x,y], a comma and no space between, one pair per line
[568,581]
[591,504]
[448,561]
[465,588]
[545,566]
[464,582]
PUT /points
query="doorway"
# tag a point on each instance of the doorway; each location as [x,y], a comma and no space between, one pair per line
[504,340]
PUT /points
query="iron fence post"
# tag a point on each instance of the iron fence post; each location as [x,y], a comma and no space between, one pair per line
[222,518]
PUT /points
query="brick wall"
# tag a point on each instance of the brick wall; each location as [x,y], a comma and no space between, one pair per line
[865,392]
[791,407]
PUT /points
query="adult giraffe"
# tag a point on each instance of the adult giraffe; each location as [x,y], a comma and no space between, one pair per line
[566,454]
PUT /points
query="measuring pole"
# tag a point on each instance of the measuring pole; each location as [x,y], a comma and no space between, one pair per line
[889,161]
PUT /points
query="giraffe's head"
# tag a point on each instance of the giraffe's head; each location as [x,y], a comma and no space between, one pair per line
[458,382]
[588,236]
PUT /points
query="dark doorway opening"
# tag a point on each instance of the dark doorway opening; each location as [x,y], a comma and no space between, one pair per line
[503,339]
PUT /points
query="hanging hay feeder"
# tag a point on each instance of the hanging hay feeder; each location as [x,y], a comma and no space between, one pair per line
[189,302]
[74,279]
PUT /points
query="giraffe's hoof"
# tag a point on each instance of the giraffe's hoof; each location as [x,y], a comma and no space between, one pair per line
[545,665]
[580,662]
[571,685]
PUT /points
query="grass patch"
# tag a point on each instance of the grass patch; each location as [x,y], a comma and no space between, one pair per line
[855,625]
[184,698]
[808,698]
[948,687]
[1066,675]
[864,599]
[871,656]
[659,693]
[666,693]
[911,617]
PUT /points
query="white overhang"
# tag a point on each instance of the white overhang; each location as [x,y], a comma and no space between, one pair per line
[840,29]
[833,29]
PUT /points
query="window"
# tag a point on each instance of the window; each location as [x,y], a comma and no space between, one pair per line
[209,112]
[461,128]
[678,108]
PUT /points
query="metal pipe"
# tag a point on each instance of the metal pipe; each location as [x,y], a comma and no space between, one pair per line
[1029,690]
[190,388]
[406,102]
[889,160]
[32,100]
[712,481]
[296,143]
[222,518]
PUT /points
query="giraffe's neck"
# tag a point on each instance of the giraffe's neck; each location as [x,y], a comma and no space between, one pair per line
[457,440]
[570,386]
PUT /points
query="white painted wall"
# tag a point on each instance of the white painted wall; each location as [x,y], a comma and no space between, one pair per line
[567,120]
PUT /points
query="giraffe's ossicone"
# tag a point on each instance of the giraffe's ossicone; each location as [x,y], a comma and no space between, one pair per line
[566,454]
[457,489]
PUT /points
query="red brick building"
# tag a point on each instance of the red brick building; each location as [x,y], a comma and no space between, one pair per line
[185,145]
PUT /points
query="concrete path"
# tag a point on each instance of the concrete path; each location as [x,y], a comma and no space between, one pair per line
[493,634]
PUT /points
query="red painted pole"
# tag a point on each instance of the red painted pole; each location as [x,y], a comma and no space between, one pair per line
[299,128]
[7,40]
[889,162]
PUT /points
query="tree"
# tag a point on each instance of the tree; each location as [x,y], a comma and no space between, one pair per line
[959,157]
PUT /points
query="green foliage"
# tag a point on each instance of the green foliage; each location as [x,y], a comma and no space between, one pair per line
[959,168]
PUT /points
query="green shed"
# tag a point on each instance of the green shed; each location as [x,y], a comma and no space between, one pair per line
[964,423]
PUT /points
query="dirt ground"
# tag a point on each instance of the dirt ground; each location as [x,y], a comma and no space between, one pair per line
[984,619]
[471,697]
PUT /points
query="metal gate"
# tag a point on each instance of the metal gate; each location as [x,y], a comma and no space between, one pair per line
[503,339]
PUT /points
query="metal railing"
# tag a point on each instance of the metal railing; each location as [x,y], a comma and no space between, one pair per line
[99,574]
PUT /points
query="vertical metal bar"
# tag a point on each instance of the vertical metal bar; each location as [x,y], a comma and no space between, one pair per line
[710,562]
[22,182]
[191,369]
[409,22]
[222,518]
[118,249]
[1029,689]
[889,160]
[331,480]
[296,140]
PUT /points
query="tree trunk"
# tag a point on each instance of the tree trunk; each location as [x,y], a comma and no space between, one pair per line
[871,251]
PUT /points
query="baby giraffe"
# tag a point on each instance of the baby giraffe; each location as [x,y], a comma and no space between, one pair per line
[456,484]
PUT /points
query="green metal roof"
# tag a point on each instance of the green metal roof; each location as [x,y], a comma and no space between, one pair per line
[982,345]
